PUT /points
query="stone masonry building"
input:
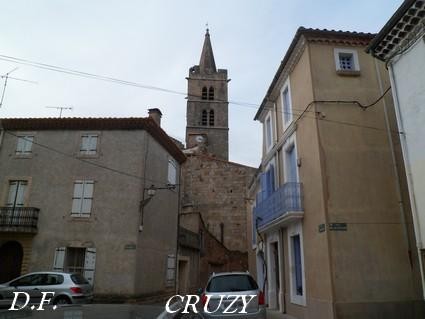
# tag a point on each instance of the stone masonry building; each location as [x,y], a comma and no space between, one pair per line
[74,197]
[214,190]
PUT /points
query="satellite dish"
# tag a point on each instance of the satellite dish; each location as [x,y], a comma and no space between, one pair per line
[199,138]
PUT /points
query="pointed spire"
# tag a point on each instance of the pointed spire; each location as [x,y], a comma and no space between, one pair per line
[207,63]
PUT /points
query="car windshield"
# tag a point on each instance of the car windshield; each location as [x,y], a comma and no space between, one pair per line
[231,283]
[79,279]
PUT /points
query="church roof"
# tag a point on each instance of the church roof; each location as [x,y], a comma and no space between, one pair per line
[207,63]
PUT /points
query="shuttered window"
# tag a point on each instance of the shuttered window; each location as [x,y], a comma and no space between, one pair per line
[16,195]
[82,198]
[172,172]
[268,132]
[298,273]
[267,182]
[24,145]
[287,110]
[89,144]
[171,270]
[76,259]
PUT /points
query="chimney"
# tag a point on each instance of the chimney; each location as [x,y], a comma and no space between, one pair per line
[155,114]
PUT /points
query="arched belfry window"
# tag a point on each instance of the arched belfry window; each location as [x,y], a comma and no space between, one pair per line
[204,93]
[204,120]
[211,93]
[211,119]
[208,118]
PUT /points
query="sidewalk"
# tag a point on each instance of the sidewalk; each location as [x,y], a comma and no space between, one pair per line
[275,314]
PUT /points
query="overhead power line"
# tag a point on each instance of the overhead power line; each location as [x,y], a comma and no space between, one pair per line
[93,76]
[86,161]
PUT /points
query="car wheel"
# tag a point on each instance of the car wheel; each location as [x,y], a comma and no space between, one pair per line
[62,300]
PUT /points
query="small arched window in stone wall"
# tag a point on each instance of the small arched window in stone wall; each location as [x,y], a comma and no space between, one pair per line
[204,120]
[211,120]
[204,93]
[211,93]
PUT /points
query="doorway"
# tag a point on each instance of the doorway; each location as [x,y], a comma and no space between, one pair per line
[183,276]
[11,254]
[276,271]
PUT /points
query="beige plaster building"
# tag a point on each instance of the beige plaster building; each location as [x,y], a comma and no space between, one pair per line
[74,197]
[330,230]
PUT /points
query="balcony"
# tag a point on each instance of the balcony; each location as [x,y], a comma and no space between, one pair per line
[285,203]
[19,219]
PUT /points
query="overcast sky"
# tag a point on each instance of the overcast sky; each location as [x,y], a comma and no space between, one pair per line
[154,43]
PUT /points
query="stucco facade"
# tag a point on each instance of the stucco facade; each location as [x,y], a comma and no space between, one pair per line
[123,231]
[339,243]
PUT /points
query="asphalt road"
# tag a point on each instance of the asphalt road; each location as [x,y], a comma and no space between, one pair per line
[101,311]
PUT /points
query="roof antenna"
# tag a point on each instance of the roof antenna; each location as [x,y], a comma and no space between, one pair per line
[61,108]
[7,77]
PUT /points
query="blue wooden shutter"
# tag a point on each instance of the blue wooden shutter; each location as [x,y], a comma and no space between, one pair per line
[298,265]
[271,179]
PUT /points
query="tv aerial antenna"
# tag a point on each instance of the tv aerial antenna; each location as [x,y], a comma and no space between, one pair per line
[60,108]
[6,77]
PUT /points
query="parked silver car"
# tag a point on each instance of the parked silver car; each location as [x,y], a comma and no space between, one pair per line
[229,284]
[68,288]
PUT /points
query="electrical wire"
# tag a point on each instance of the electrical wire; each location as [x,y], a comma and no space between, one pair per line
[86,161]
[244,104]
[74,72]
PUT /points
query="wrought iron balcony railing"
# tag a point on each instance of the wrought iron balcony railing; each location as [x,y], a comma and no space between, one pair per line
[287,198]
[18,219]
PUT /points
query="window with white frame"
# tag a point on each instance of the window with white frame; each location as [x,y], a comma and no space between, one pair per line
[286,105]
[24,145]
[89,144]
[268,131]
[82,198]
[346,60]
[297,277]
[172,172]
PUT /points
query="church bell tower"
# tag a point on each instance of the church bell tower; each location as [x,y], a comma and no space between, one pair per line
[207,119]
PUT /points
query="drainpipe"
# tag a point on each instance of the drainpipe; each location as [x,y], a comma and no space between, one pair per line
[408,173]
[1,134]
[179,193]
[394,162]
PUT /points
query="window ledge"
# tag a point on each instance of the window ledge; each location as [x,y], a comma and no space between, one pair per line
[80,218]
[23,156]
[80,155]
[348,72]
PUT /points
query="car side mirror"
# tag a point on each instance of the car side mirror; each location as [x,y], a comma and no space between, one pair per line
[200,291]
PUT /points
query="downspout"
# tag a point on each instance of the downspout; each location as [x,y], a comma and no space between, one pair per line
[1,133]
[408,173]
[178,229]
[394,164]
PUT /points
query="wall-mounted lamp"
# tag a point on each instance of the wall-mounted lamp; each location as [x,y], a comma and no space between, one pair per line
[150,192]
